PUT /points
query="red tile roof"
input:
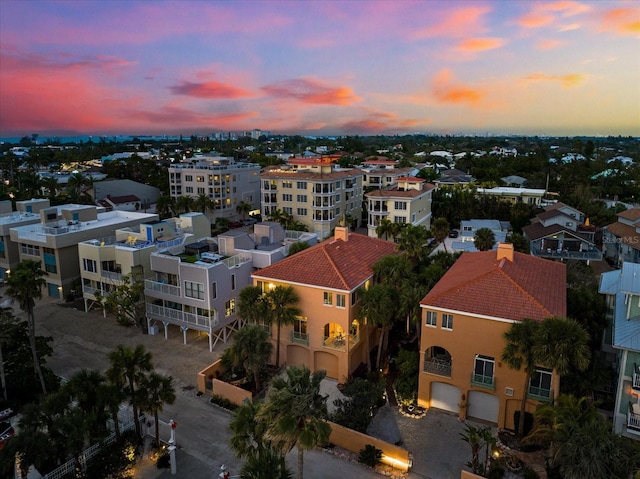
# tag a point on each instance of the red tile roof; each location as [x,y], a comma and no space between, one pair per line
[394,192]
[478,283]
[627,234]
[630,214]
[334,264]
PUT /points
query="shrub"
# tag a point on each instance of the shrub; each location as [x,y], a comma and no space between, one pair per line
[529,473]
[528,422]
[406,384]
[356,411]
[222,402]
[370,455]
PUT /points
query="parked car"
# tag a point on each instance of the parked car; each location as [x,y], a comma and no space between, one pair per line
[453,234]
[236,224]
[250,221]
[6,433]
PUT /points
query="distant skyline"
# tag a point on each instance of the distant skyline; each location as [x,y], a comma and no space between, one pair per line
[319,67]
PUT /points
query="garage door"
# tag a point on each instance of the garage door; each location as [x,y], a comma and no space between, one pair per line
[328,362]
[483,406]
[445,396]
[297,356]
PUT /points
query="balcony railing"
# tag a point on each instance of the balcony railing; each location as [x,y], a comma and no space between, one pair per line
[439,366]
[633,423]
[353,339]
[541,394]
[176,316]
[591,254]
[150,285]
[335,342]
[636,380]
[89,290]
[482,380]
[112,275]
[297,337]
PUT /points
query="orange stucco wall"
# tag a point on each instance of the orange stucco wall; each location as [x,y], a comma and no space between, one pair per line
[338,363]
[471,336]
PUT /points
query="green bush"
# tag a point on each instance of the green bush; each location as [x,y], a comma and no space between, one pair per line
[222,402]
[370,455]
[356,410]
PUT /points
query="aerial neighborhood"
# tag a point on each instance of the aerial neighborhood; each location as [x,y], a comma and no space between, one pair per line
[492,280]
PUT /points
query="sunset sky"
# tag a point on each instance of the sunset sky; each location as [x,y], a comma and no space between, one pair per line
[319,68]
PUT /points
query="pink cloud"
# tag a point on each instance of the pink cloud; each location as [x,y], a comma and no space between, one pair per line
[568,81]
[548,44]
[546,13]
[623,21]
[465,20]
[480,44]
[211,89]
[535,20]
[175,117]
[445,89]
[307,90]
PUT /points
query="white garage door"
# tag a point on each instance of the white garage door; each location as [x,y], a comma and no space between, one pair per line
[483,406]
[445,396]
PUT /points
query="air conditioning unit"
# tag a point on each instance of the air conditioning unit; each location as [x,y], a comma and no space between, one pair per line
[508,391]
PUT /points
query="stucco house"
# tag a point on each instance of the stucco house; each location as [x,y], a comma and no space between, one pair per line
[465,316]
[329,334]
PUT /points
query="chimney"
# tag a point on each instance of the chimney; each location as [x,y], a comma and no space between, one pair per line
[505,250]
[342,232]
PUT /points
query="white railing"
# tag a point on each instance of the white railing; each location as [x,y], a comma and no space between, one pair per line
[236,260]
[633,422]
[175,316]
[636,380]
[162,287]
[112,275]
[89,290]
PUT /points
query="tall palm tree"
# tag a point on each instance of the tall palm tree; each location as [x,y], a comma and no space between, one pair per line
[384,228]
[184,204]
[24,285]
[412,242]
[75,184]
[203,203]
[155,391]
[8,323]
[484,239]
[282,301]
[440,230]
[296,412]
[252,350]
[127,370]
[85,387]
[52,185]
[252,304]
[165,206]
[378,305]
[243,208]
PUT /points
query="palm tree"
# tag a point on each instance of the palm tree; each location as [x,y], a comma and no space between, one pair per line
[203,203]
[557,343]
[165,206]
[85,387]
[296,412]
[412,242]
[384,227]
[243,209]
[75,184]
[440,230]
[184,204]
[252,305]
[51,184]
[282,301]
[155,391]
[8,322]
[128,368]
[378,305]
[252,350]
[484,239]
[24,284]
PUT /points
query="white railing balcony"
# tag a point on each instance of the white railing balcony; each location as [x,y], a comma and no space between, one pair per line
[176,316]
[636,381]
[297,337]
[112,275]
[335,342]
[439,366]
[150,285]
[633,423]
[90,291]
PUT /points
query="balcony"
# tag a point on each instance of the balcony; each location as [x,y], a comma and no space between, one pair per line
[633,419]
[335,342]
[636,378]
[540,394]
[90,291]
[301,338]
[175,316]
[111,275]
[168,289]
[482,381]
[551,253]
[438,366]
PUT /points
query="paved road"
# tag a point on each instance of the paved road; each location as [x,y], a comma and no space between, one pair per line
[84,340]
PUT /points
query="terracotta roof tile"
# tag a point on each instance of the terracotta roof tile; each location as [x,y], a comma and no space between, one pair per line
[335,264]
[630,214]
[627,234]
[478,283]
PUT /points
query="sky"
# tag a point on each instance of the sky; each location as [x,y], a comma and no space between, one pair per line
[356,67]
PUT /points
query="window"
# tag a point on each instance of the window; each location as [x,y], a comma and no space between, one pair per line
[189,189]
[540,385]
[193,290]
[287,184]
[287,209]
[49,257]
[400,205]
[483,370]
[200,179]
[302,198]
[188,177]
[89,265]
[300,329]
[214,291]
[233,281]
[432,318]
[30,249]
[447,321]
[201,191]
[287,197]
[400,219]
[328,298]
[341,300]
[302,185]
[355,297]
[230,307]
[302,212]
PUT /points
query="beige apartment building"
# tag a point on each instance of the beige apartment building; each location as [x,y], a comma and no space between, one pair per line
[315,192]
[27,212]
[54,239]
[225,181]
[105,261]
[407,201]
